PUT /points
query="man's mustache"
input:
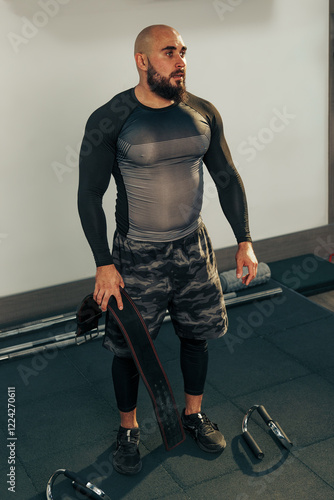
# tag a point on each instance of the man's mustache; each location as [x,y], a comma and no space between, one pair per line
[177,73]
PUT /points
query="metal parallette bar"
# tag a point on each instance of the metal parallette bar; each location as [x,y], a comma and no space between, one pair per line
[277,430]
[244,426]
[51,481]
[87,489]
[273,426]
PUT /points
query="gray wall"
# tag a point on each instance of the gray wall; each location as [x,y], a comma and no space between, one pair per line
[263,63]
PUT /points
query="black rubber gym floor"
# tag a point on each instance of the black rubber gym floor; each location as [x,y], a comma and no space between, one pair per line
[278,352]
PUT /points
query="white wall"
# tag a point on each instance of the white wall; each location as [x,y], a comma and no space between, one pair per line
[255,60]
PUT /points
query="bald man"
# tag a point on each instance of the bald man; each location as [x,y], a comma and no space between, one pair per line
[154,139]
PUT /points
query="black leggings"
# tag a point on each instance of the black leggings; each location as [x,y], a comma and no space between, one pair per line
[194,365]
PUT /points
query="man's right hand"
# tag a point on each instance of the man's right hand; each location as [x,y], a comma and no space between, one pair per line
[107,283]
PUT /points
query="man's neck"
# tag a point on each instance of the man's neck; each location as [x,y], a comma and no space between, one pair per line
[148,98]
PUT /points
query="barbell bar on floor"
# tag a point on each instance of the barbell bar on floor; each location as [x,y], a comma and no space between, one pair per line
[64,340]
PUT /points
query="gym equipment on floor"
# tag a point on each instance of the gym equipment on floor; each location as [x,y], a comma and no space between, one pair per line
[149,366]
[71,338]
[88,489]
[274,427]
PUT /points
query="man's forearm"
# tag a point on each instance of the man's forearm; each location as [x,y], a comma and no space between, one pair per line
[234,205]
[94,224]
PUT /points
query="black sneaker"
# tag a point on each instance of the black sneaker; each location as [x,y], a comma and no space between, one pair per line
[205,432]
[126,458]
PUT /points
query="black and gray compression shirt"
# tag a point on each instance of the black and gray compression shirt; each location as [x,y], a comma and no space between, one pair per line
[156,158]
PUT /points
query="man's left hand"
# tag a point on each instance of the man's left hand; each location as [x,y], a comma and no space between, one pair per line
[245,257]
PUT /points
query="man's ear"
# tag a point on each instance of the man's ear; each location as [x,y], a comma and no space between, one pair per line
[141,61]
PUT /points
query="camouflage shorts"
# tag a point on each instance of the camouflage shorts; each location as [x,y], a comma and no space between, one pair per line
[180,277]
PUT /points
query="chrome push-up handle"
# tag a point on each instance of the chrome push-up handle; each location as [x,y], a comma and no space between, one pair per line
[273,426]
[88,489]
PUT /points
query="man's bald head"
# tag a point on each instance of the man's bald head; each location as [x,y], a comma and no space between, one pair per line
[149,35]
[161,64]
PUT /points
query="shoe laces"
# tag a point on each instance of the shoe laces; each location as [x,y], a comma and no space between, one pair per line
[205,424]
[128,441]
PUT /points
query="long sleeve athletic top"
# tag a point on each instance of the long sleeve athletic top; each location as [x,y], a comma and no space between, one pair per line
[156,157]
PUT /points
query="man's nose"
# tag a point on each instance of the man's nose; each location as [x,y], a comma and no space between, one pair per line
[180,63]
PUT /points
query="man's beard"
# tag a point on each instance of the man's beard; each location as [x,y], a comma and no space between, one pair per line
[162,86]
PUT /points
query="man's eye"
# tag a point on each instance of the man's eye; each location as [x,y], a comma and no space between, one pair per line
[169,53]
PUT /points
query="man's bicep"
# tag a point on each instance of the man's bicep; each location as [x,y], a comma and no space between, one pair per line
[97,154]
[219,164]
[229,184]
[95,167]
